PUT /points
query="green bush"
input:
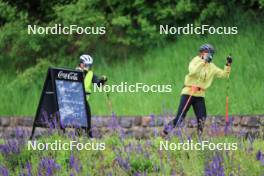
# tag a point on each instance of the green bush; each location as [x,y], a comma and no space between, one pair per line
[34,76]
[130,26]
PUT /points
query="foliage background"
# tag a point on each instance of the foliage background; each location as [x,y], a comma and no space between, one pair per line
[132,42]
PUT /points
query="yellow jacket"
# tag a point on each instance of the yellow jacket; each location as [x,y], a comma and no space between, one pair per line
[202,74]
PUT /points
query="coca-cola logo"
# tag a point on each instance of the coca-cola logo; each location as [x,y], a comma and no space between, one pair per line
[70,75]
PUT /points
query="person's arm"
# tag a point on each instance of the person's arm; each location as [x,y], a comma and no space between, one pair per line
[222,73]
[196,66]
[99,81]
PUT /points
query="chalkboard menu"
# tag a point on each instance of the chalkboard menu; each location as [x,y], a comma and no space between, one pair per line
[71,107]
[62,103]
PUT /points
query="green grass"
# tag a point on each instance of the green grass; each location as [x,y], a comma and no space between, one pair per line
[164,65]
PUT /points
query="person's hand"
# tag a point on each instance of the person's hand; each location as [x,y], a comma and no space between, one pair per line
[104,78]
[229,61]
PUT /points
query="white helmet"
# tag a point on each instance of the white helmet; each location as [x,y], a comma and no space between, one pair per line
[86,59]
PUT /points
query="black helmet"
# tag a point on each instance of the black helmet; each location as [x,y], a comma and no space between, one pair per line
[208,48]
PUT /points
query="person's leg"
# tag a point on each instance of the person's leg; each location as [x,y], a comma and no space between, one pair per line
[180,114]
[89,116]
[200,112]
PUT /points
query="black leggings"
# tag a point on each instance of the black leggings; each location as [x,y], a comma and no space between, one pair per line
[89,116]
[199,108]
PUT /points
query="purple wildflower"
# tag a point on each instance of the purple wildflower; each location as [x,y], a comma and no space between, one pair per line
[168,128]
[260,157]
[152,120]
[123,159]
[148,144]
[20,133]
[122,133]
[215,167]
[71,161]
[74,164]
[47,167]
[123,163]
[29,169]
[214,128]
[10,147]
[113,125]
[193,123]
[139,148]
[226,129]
[155,132]
[4,171]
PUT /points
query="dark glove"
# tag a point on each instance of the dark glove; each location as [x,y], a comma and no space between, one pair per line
[229,60]
[104,78]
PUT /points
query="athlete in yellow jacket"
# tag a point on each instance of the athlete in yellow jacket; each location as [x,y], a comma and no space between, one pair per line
[200,77]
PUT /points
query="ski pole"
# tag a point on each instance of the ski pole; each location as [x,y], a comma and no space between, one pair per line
[227,96]
[109,102]
[229,60]
[186,104]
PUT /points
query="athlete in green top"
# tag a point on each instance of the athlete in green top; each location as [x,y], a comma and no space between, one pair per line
[86,62]
[85,65]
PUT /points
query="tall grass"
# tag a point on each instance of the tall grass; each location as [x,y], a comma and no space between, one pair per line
[168,65]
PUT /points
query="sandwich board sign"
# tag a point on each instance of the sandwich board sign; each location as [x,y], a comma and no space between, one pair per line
[62,103]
